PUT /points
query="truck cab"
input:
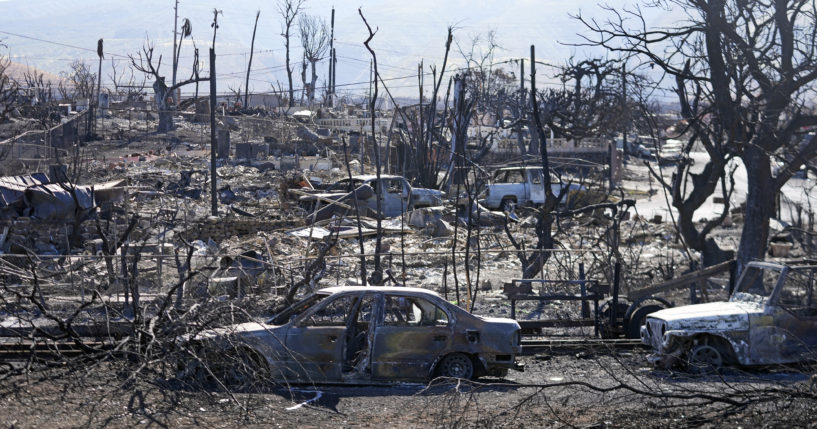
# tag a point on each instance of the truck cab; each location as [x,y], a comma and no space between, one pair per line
[520,185]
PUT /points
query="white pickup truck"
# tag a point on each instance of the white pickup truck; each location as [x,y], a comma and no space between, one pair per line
[520,185]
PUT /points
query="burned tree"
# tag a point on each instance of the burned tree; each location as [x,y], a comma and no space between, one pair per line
[289,9]
[249,64]
[377,274]
[545,216]
[144,63]
[492,89]
[125,84]
[744,72]
[578,110]
[590,107]
[40,103]
[315,41]
[8,89]
[81,82]
[419,163]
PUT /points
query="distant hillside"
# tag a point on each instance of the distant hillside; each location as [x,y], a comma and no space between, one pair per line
[17,71]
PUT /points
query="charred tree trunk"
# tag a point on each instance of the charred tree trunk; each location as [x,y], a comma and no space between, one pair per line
[544,223]
[459,134]
[377,274]
[314,81]
[289,77]
[249,64]
[161,93]
[759,207]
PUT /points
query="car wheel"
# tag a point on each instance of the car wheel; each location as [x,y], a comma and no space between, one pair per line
[239,369]
[456,365]
[250,370]
[704,359]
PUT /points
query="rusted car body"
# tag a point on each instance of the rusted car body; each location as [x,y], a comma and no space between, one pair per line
[771,318]
[359,334]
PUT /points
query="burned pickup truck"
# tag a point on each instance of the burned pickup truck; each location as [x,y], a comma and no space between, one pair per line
[771,318]
[398,196]
[358,334]
[521,185]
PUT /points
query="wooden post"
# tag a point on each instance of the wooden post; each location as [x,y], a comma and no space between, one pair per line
[616,284]
[519,140]
[99,82]
[213,142]
[585,305]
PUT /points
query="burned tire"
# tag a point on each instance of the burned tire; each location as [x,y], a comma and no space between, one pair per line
[705,359]
[249,370]
[456,365]
[605,308]
[638,318]
[240,369]
[506,205]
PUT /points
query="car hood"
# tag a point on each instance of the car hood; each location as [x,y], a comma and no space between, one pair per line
[242,329]
[317,195]
[709,316]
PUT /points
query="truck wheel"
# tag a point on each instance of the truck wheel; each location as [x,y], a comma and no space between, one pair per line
[621,307]
[506,205]
[705,359]
[638,318]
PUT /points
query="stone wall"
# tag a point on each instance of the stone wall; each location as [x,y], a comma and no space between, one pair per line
[221,229]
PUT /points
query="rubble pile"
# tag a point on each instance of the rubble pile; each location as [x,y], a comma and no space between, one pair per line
[280,209]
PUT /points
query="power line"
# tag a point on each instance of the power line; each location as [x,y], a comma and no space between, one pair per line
[61,44]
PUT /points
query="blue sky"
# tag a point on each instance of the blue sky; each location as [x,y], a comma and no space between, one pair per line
[408,31]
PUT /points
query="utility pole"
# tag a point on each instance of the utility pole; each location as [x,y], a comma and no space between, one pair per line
[519,140]
[331,91]
[213,142]
[624,107]
[175,33]
[99,79]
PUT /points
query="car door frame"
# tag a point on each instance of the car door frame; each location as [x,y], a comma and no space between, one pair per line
[409,352]
[536,192]
[317,353]
[357,370]
[797,333]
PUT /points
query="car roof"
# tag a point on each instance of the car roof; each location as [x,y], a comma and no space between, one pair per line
[373,176]
[393,289]
[526,167]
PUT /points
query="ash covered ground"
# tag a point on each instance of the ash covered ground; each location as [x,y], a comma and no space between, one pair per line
[241,264]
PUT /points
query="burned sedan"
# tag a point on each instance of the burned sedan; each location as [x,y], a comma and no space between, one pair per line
[362,334]
[397,196]
[771,318]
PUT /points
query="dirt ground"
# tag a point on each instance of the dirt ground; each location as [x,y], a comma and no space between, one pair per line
[579,389]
